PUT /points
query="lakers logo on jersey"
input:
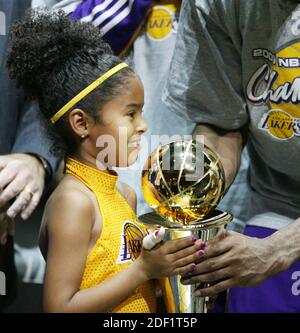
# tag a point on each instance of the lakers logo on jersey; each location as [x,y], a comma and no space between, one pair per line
[131,242]
[162,20]
[280,124]
[277,85]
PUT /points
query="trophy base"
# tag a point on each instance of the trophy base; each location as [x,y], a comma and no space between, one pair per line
[180,298]
[215,219]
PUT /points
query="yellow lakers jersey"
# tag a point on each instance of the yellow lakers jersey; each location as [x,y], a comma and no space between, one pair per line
[120,240]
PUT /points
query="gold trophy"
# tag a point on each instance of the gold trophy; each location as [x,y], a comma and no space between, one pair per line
[183,181]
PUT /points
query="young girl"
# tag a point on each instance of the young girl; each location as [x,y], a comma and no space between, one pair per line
[89,236]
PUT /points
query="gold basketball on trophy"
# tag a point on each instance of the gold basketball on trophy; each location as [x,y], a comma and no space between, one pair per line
[183,181]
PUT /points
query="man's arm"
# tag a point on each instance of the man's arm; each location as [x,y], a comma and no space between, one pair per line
[232,259]
[235,260]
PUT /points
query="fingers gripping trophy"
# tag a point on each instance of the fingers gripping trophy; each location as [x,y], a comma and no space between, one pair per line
[183,181]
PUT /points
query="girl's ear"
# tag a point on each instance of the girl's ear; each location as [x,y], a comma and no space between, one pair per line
[80,122]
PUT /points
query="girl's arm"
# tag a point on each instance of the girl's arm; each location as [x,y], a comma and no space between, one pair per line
[69,223]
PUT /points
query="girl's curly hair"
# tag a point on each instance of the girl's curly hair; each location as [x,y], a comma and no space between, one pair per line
[53,58]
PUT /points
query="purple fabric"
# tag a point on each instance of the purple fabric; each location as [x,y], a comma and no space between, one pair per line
[219,304]
[111,17]
[120,35]
[86,6]
[279,294]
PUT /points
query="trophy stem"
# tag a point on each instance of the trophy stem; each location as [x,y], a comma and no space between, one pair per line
[180,298]
[184,299]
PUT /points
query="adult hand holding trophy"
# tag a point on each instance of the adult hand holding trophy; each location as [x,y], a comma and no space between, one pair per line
[183,181]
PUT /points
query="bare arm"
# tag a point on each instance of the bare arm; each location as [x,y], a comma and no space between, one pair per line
[235,260]
[69,220]
[228,146]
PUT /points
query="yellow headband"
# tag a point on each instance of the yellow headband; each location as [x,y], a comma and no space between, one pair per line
[86,91]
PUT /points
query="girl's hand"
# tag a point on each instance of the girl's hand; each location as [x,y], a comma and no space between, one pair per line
[170,258]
